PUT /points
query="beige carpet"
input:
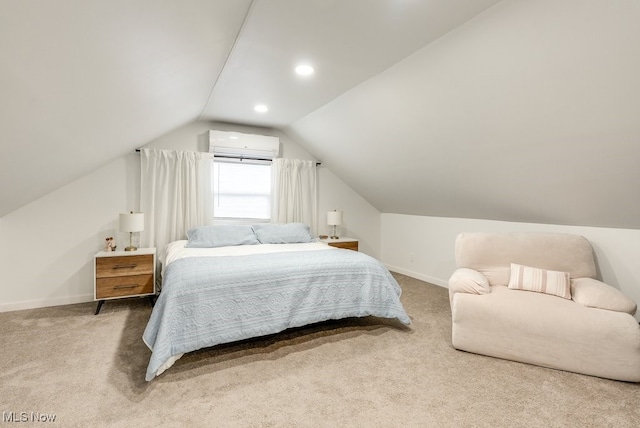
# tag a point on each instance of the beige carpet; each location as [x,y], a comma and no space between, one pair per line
[89,371]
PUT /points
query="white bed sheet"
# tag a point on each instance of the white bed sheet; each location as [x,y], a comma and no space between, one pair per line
[176,250]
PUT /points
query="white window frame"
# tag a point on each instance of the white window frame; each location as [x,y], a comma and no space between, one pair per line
[240,161]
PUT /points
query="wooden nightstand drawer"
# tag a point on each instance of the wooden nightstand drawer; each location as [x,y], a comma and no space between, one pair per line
[121,274]
[124,265]
[351,245]
[132,285]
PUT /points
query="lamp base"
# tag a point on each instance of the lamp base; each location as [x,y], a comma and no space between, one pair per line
[131,247]
[334,233]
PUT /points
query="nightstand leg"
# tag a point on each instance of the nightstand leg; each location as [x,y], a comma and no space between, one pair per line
[152,299]
[99,307]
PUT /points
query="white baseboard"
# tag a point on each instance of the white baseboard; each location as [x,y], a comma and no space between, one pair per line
[416,275]
[44,303]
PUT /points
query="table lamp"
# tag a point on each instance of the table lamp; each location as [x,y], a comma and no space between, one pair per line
[334,218]
[131,222]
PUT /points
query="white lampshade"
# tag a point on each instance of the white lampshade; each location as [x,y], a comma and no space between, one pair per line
[334,218]
[131,222]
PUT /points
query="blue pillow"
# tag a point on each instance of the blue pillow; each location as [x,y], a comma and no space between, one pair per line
[289,233]
[221,236]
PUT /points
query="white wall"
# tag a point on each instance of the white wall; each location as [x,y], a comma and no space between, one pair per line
[431,241]
[47,247]
[360,219]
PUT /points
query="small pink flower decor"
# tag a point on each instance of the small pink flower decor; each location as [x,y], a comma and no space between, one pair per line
[110,244]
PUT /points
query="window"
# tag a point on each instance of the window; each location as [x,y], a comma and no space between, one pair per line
[242,189]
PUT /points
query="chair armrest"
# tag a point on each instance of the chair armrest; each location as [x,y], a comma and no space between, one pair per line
[470,281]
[596,294]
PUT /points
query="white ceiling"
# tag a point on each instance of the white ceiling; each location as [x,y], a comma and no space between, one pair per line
[527,113]
[460,108]
[85,82]
[347,42]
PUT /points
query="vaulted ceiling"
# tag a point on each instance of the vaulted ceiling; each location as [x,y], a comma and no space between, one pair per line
[511,110]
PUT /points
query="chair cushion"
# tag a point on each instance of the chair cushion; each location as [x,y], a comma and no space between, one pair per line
[492,253]
[466,280]
[542,329]
[596,294]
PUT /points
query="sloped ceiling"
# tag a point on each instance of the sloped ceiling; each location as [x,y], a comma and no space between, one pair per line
[529,112]
[347,42]
[511,110]
[84,82]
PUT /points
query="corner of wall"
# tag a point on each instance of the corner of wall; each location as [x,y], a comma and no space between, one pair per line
[48,245]
[423,247]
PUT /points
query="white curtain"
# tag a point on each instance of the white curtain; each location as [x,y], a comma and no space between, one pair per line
[294,192]
[175,194]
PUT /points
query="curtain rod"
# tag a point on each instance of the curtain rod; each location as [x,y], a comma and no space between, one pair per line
[242,158]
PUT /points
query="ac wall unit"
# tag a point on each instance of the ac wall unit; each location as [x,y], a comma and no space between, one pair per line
[249,146]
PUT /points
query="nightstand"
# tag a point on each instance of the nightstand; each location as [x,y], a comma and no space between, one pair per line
[121,274]
[346,243]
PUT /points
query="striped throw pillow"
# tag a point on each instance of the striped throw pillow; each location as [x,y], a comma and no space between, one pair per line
[540,280]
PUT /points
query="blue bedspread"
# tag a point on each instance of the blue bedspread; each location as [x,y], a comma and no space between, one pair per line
[206,301]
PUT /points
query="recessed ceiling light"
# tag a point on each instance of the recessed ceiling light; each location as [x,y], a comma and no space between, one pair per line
[304,70]
[261,108]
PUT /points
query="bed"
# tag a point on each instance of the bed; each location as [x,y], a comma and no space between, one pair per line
[231,283]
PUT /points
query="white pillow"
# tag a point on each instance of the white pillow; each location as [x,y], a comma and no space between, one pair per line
[540,280]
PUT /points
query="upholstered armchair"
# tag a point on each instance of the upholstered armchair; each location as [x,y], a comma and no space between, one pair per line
[535,298]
